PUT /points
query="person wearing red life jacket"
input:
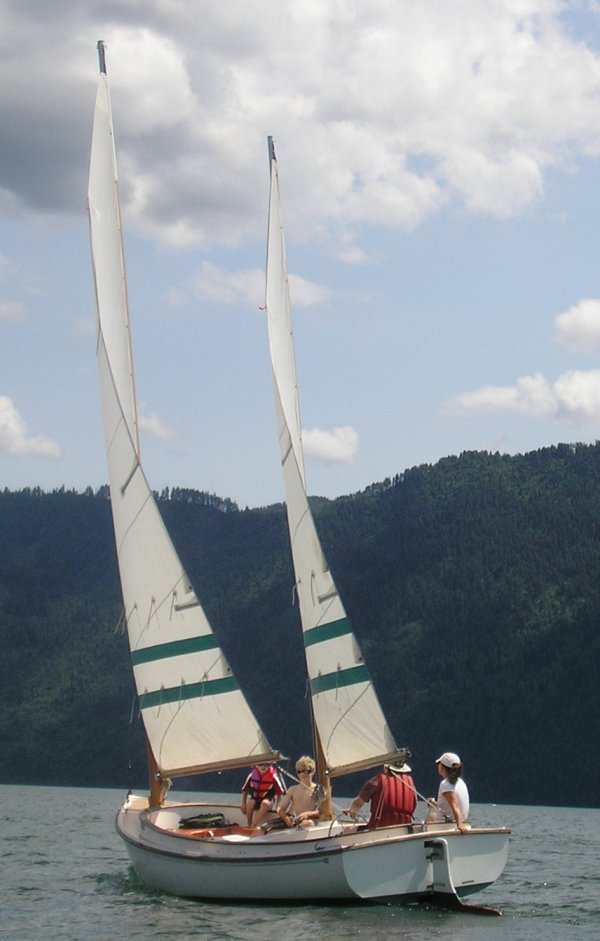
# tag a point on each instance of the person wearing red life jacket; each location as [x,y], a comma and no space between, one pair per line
[261,791]
[392,794]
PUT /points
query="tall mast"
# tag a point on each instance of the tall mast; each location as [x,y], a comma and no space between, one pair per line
[102,56]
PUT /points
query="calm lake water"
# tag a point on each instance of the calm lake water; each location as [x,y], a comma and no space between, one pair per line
[65,877]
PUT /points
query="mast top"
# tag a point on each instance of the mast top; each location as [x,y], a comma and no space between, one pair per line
[102,56]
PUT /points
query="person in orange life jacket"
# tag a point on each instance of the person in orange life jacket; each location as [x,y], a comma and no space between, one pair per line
[392,794]
[261,790]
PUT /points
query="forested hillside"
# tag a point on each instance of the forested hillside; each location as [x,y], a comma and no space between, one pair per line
[472,586]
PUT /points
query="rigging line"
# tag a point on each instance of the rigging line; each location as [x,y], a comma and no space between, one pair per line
[121,623]
[143,626]
[301,519]
[325,601]
[420,796]
[121,420]
[326,609]
[290,450]
[131,475]
[292,777]
[211,666]
[172,720]
[170,594]
[288,774]
[345,713]
[139,512]
[155,607]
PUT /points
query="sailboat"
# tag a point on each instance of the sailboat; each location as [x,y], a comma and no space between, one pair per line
[195,715]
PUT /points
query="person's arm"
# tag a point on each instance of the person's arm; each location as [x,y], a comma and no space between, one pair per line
[308,815]
[284,803]
[355,806]
[366,793]
[246,787]
[455,808]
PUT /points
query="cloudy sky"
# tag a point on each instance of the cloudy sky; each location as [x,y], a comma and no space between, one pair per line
[440,173]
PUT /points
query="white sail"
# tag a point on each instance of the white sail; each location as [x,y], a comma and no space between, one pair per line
[351,725]
[195,716]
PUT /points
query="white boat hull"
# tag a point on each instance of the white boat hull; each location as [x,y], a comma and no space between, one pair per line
[331,861]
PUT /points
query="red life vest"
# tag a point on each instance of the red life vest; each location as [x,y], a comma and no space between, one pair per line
[267,785]
[394,800]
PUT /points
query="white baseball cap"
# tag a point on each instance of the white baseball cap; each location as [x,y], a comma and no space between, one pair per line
[449,760]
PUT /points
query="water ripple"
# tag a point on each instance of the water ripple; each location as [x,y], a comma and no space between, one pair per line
[74,883]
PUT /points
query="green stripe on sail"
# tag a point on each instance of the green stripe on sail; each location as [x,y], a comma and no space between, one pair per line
[316,635]
[338,679]
[175,648]
[188,691]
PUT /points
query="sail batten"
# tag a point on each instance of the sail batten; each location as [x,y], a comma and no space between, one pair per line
[349,720]
[194,713]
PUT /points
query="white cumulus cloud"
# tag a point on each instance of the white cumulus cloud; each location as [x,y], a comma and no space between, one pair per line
[579,327]
[14,438]
[578,395]
[385,113]
[248,287]
[231,287]
[531,395]
[575,395]
[338,446]
[155,426]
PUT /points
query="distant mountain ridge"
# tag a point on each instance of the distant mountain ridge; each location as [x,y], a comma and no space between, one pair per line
[472,586]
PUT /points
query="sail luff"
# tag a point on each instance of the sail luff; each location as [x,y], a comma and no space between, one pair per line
[281,332]
[351,725]
[108,258]
[196,717]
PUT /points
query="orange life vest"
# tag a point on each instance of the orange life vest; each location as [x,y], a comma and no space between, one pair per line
[265,786]
[394,800]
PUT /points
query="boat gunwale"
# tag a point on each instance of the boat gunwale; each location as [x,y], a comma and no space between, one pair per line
[304,852]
